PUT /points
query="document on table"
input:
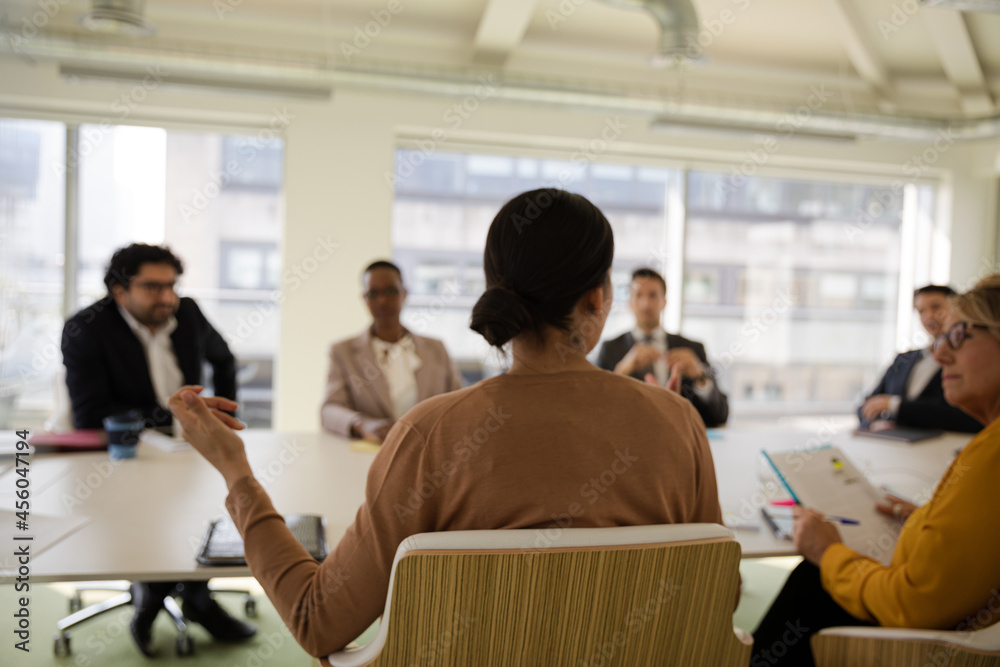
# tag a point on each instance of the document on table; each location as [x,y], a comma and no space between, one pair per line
[44,530]
[825,480]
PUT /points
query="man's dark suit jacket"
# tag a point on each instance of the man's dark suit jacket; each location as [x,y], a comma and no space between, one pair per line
[714,410]
[106,369]
[929,409]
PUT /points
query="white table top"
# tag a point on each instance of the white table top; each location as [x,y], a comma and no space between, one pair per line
[179,493]
[746,482]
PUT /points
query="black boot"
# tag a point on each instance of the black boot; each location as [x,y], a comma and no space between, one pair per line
[147,599]
[199,606]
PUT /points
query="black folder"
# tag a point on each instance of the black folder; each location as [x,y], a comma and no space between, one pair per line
[224,546]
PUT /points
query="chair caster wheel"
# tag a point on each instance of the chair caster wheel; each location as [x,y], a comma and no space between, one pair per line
[61,646]
[185,645]
[250,607]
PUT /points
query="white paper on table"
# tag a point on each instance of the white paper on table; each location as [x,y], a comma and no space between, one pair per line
[45,530]
[162,441]
[827,481]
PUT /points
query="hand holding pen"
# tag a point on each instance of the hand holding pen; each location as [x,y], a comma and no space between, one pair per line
[826,517]
[813,533]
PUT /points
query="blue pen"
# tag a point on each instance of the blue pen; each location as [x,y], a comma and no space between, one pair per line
[843,520]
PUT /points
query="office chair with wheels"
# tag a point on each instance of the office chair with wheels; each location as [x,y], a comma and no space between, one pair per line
[78,614]
[637,595]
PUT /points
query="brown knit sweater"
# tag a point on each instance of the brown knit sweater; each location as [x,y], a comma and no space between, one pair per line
[581,449]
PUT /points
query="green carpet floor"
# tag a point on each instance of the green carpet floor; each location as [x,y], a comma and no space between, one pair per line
[107,641]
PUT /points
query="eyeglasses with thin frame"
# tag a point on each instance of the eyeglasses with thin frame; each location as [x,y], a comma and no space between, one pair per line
[388,292]
[956,335]
[154,288]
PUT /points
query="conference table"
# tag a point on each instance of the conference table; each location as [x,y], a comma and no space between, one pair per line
[146,517]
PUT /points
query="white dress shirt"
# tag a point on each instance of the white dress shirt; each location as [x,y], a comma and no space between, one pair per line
[920,376]
[164,371]
[399,363]
[657,338]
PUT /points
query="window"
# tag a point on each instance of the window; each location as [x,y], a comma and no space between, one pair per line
[442,213]
[32,195]
[151,185]
[813,317]
[249,265]
[795,300]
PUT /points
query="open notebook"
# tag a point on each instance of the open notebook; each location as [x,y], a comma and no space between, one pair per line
[826,480]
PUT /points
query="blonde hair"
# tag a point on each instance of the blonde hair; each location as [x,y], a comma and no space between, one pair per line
[981,304]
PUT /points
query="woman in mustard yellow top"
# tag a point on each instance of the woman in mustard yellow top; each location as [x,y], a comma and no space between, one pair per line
[945,571]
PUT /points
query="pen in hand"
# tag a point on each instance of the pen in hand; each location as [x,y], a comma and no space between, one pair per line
[841,519]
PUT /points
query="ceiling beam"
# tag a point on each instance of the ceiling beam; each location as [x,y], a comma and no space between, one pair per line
[859,47]
[501,29]
[950,37]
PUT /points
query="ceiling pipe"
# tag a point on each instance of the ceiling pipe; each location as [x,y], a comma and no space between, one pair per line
[311,76]
[678,20]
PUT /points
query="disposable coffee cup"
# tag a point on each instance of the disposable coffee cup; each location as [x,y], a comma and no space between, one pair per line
[123,434]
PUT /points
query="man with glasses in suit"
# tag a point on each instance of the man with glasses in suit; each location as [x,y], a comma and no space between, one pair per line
[650,353]
[132,350]
[910,392]
[376,377]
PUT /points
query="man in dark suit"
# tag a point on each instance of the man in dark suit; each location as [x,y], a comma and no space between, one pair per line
[910,392]
[649,352]
[131,351]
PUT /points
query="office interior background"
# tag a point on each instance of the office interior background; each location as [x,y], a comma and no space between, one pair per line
[794,168]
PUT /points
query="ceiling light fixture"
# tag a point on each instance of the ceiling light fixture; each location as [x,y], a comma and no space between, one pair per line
[965,5]
[118,17]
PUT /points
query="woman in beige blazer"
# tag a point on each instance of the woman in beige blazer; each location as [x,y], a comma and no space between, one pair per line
[378,376]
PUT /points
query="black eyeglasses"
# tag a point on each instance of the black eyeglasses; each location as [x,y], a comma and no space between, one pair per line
[955,335]
[156,289]
[388,292]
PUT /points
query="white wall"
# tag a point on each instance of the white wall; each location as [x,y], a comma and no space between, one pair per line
[338,152]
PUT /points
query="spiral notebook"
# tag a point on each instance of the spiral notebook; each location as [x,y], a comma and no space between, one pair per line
[223,544]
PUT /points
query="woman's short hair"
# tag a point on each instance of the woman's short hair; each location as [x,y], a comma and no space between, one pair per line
[545,249]
[981,304]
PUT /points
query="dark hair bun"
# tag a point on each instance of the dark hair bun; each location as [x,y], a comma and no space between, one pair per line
[545,249]
[500,314]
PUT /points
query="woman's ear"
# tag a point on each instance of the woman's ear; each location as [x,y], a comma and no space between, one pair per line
[594,299]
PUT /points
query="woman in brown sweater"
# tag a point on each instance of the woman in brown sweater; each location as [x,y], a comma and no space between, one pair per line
[553,442]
